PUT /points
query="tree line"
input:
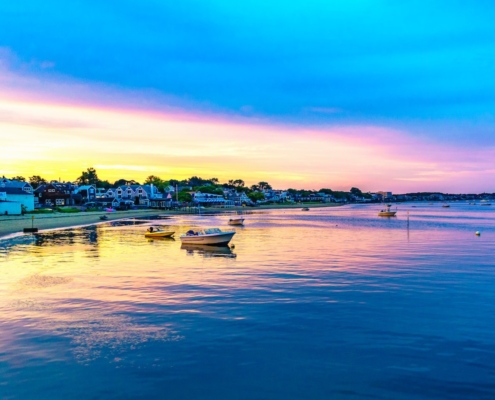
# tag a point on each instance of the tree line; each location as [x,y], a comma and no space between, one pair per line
[210,186]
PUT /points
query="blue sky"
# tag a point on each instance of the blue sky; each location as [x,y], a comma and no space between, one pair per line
[426,67]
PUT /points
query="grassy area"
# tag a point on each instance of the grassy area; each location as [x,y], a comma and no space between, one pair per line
[68,210]
[41,211]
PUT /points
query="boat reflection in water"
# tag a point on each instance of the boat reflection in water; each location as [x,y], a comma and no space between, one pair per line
[160,238]
[208,250]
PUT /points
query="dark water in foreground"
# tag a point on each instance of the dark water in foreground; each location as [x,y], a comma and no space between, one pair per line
[331,303]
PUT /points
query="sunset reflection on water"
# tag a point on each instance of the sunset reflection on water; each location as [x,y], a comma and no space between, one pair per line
[319,297]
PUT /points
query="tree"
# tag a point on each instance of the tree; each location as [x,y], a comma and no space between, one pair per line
[185,196]
[152,179]
[156,181]
[210,190]
[356,192]
[88,177]
[36,181]
[256,196]
[122,182]
[264,186]
[104,184]
[18,178]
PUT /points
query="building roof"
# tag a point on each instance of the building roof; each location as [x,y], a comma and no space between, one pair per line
[13,187]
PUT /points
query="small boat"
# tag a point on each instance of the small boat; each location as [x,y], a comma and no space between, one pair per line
[446,205]
[211,236]
[387,212]
[486,204]
[158,233]
[305,209]
[104,217]
[236,221]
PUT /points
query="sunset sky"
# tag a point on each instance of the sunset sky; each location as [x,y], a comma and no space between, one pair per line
[382,95]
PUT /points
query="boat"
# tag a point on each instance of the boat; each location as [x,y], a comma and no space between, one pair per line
[236,221]
[305,209]
[486,204]
[387,212]
[446,205]
[104,217]
[158,233]
[211,236]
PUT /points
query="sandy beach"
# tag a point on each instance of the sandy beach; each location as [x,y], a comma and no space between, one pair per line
[16,224]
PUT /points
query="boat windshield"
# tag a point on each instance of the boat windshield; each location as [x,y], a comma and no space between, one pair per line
[211,231]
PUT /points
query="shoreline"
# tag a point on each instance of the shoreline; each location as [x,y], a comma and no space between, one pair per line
[14,225]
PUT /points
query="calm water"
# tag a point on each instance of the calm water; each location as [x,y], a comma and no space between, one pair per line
[331,303]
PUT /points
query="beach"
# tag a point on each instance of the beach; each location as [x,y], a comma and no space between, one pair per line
[15,224]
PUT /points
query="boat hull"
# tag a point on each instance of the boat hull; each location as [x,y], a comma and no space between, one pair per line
[236,221]
[387,213]
[218,239]
[158,234]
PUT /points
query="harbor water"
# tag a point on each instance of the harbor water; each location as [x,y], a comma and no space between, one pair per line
[331,303]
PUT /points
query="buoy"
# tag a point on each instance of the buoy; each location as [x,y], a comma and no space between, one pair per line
[478,233]
[232,246]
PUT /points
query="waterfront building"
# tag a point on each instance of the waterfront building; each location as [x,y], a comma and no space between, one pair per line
[207,199]
[17,192]
[87,193]
[57,194]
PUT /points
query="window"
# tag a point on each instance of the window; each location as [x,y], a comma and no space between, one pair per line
[27,189]
[60,202]
[51,190]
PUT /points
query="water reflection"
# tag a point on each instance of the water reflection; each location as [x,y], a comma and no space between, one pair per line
[333,293]
[208,251]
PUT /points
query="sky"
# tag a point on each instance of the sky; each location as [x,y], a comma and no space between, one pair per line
[381,95]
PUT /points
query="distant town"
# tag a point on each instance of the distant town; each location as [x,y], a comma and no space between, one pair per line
[19,195]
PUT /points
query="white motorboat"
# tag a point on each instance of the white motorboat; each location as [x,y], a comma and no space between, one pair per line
[211,236]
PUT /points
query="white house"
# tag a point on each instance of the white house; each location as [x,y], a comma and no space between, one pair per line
[17,191]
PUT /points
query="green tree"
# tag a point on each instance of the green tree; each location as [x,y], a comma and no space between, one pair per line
[104,184]
[256,196]
[185,196]
[122,182]
[18,178]
[210,190]
[36,181]
[356,192]
[156,181]
[264,186]
[88,177]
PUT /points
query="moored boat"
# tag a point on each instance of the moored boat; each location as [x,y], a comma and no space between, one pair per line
[211,236]
[446,205]
[236,221]
[104,217]
[387,212]
[305,209]
[158,233]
